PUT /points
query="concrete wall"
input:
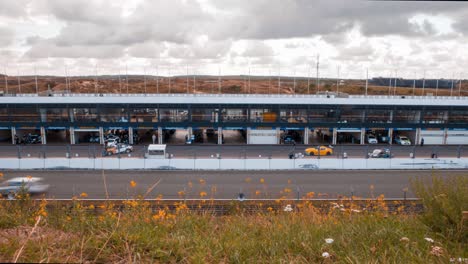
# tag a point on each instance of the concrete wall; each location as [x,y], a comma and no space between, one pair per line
[232,164]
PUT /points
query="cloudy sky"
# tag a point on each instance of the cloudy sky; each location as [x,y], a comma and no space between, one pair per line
[169,37]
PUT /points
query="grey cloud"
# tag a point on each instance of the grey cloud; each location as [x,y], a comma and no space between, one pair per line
[6,36]
[46,48]
[362,52]
[13,8]
[303,18]
[257,49]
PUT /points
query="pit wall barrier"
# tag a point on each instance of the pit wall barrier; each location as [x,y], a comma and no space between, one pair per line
[231,164]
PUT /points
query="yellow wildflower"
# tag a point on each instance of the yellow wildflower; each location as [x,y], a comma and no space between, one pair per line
[83,194]
[133,184]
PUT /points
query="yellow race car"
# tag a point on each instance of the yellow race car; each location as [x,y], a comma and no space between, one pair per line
[320,150]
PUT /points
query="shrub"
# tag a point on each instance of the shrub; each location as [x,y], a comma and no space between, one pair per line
[444,200]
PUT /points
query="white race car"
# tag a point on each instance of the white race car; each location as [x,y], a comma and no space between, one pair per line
[32,185]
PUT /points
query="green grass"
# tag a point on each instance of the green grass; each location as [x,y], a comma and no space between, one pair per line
[79,233]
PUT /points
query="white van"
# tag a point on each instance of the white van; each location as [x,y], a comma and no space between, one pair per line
[156,151]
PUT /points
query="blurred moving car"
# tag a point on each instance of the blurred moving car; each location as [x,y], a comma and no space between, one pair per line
[371,139]
[32,185]
[118,148]
[402,140]
[380,153]
[320,150]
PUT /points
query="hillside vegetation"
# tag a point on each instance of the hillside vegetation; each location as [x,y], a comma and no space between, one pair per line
[206,84]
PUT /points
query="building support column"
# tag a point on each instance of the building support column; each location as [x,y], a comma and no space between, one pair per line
[417,136]
[335,135]
[130,135]
[72,136]
[43,136]
[363,135]
[160,135]
[248,135]
[445,136]
[189,133]
[306,135]
[220,136]
[13,134]
[278,136]
[390,136]
[101,135]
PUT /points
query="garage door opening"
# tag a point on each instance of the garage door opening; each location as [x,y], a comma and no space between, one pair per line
[348,136]
[145,136]
[174,136]
[87,136]
[410,134]
[28,136]
[381,135]
[321,136]
[234,136]
[289,136]
[57,135]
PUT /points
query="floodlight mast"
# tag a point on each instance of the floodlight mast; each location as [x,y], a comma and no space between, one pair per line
[126,76]
[459,87]
[157,79]
[249,79]
[308,81]
[279,78]
[35,78]
[414,83]
[95,80]
[424,82]
[437,86]
[6,80]
[19,82]
[337,78]
[318,68]
[367,80]
[144,79]
[120,83]
[187,79]
[269,80]
[390,83]
[219,79]
[451,88]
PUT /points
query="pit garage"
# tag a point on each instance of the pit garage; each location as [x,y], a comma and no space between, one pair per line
[5,135]
[144,135]
[262,136]
[86,135]
[57,135]
[381,134]
[457,136]
[320,136]
[431,136]
[205,135]
[348,135]
[292,135]
[29,135]
[174,135]
[410,133]
[120,132]
[234,135]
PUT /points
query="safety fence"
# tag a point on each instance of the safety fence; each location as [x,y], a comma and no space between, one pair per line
[232,164]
